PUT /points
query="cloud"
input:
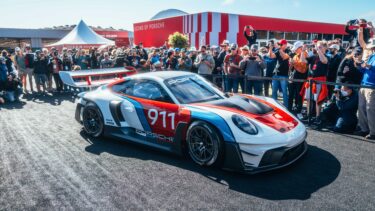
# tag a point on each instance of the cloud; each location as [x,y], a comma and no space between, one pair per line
[227,2]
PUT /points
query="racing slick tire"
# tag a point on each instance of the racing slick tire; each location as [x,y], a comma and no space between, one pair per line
[92,120]
[205,145]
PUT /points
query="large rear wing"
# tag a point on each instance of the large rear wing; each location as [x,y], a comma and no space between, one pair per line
[94,78]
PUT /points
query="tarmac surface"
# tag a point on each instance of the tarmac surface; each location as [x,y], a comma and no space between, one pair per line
[47,162]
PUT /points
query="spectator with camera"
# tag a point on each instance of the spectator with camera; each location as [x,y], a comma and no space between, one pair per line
[204,62]
[250,35]
[56,65]
[318,65]
[270,66]
[12,88]
[184,62]
[348,68]
[281,71]
[299,72]
[41,69]
[334,61]
[253,65]
[29,63]
[232,70]
[341,110]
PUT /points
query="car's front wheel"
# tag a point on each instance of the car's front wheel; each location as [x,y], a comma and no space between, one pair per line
[92,120]
[204,144]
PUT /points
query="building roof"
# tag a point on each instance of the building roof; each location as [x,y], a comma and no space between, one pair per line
[168,13]
[83,35]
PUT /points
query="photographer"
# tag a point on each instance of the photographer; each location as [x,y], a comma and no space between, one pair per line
[204,62]
[348,68]
[56,66]
[318,72]
[299,67]
[281,71]
[352,28]
[232,70]
[12,88]
[41,66]
[342,110]
[253,65]
[184,63]
[250,35]
[333,65]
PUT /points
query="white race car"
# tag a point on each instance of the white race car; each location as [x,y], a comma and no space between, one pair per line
[180,111]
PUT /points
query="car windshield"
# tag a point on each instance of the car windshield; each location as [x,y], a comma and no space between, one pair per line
[192,89]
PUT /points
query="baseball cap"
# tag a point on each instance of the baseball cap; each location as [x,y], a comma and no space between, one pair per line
[17,49]
[297,45]
[177,49]
[183,50]
[254,47]
[193,49]
[233,46]
[282,42]
[245,47]
[225,43]
[335,46]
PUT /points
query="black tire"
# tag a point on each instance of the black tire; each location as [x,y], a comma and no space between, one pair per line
[92,120]
[205,145]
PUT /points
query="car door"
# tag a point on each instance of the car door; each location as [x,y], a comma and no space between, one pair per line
[162,114]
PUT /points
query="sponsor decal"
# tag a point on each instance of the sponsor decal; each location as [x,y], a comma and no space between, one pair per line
[109,122]
[160,137]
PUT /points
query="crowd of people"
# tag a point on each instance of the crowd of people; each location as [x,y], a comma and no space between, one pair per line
[279,66]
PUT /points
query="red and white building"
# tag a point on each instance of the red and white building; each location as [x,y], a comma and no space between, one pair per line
[213,27]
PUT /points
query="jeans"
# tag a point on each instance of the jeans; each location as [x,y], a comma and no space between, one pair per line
[232,83]
[12,96]
[267,84]
[280,84]
[295,97]
[58,82]
[254,85]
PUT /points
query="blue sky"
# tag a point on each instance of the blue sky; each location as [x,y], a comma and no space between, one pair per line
[123,13]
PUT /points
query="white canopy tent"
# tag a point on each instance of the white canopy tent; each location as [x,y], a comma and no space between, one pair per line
[81,36]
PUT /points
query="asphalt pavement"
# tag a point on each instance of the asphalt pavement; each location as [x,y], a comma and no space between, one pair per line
[47,163]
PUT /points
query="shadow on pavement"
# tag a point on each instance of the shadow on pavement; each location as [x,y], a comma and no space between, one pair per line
[53,99]
[318,168]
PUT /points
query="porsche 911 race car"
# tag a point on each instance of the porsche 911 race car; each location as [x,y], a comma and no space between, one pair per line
[182,112]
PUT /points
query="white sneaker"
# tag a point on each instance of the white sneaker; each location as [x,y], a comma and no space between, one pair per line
[299,116]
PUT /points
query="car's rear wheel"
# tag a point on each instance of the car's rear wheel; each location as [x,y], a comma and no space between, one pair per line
[92,120]
[204,144]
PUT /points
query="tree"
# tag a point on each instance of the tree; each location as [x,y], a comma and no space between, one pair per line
[178,40]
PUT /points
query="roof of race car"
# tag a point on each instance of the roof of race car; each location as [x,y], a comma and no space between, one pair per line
[163,75]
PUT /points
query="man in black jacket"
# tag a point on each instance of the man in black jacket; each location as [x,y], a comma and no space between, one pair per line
[40,70]
[251,35]
[342,110]
[333,65]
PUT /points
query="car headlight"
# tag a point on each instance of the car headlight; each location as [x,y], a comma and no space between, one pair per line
[244,124]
